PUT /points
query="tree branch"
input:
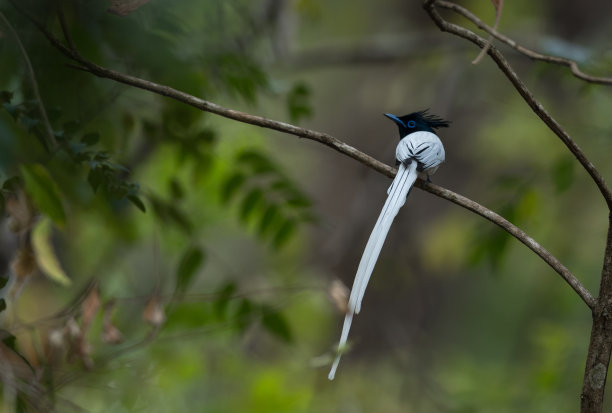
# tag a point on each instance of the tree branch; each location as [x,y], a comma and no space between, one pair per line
[51,142]
[600,344]
[328,140]
[518,84]
[573,65]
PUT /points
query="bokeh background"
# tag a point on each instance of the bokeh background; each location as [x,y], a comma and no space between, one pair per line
[222,290]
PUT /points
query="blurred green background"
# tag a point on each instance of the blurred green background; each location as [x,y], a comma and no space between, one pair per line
[221,289]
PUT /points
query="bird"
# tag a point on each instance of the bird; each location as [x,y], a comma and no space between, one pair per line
[419,153]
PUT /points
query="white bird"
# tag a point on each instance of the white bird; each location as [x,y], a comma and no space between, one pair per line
[419,152]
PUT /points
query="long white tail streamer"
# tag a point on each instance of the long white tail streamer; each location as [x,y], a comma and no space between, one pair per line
[398,191]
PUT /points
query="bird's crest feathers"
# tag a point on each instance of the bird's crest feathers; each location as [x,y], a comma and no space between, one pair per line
[433,121]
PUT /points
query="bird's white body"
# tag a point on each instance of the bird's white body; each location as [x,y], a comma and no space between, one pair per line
[419,153]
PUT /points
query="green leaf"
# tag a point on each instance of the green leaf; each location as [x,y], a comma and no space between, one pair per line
[225,294]
[563,174]
[253,198]
[6,96]
[276,324]
[283,233]
[2,304]
[298,103]
[269,216]
[44,192]
[12,184]
[187,268]
[3,282]
[71,126]
[91,139]
[10,341]
[176,189]
[244,314]
[257,161]
[96,177]
[137,202]
[231,186]
[44,254]
[13,110]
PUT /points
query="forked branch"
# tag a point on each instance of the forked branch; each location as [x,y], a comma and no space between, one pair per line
[533,103]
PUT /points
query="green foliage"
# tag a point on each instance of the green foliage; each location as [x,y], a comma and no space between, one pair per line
[266,196]
[189,264]
[521,202]
[563,173]
[275,323]
[104,174]
[298,103]
[44,192]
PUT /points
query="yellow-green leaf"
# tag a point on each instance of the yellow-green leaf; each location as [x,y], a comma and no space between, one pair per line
[45,256]
[44,192]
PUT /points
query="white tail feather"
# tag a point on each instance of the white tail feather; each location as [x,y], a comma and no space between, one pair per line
[398,191]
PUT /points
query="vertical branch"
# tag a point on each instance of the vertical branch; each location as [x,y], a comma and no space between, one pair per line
[600,345]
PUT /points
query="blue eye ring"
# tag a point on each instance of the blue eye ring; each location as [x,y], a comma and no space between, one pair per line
[411,124]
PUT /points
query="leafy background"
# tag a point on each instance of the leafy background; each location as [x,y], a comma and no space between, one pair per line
[202,253]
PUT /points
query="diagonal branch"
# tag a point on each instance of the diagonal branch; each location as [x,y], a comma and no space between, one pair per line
[518,84]
[573,65]
[328,140]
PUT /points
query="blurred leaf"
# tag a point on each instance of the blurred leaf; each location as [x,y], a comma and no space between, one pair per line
[71,127]
[224,296]
[9,340]
[44,254]
[91,139]
[527,205]
[256,160]
[44,192]
[244,314]
[176,189]
[269,216]
[276,324]
[298,103]
[231,186]
[284,232]
[187,268]
[240,74]
[137,202]
[3,281]
[252,200]
[6,96]
[563,173]
[2,304]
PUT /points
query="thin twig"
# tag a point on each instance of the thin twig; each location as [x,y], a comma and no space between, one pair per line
[327,140]
[533,103]
[499,5]
[52,143]
[573,65]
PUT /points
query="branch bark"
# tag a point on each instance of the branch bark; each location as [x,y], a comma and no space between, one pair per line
[573,65]
[600,345]
[518,84]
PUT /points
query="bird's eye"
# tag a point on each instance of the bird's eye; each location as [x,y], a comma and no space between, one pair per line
[411,124]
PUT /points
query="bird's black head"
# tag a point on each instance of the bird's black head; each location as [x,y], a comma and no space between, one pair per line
[418,121]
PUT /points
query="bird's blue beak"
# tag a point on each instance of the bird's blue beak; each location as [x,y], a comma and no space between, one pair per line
[395,119]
